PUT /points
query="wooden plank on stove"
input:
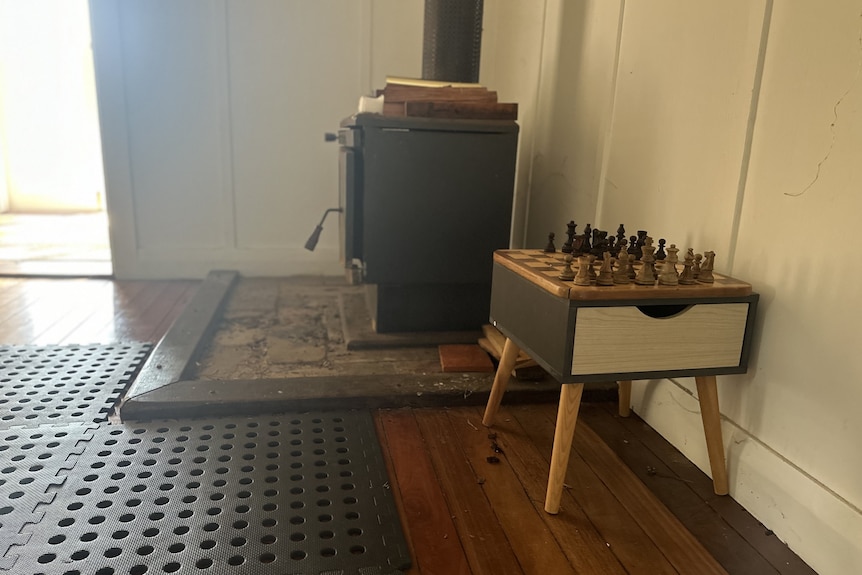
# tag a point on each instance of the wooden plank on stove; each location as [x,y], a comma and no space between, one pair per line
[484,541]
[585,547]
[629,542]
[532,541]
[464,358]
[643,450]
[404,93]
[462,110]
[425,513]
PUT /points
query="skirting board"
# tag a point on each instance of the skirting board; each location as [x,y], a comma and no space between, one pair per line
[819,526]
[191,263]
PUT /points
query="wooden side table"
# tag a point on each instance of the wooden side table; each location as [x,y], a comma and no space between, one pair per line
[582,334]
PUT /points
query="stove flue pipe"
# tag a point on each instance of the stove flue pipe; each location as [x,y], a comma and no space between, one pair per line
[452,40]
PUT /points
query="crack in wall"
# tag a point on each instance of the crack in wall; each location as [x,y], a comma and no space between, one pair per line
[834,122]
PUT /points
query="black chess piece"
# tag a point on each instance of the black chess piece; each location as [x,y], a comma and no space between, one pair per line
[633,246]
[660,253]
[642,236]
[570,233]
[549,249]
[621,234]
[588,235]
[600,243]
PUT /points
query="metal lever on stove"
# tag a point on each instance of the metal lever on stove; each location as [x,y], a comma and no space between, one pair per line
[315,235]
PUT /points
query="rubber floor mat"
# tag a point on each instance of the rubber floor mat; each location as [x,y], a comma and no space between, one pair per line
[34,463]
[64,384]
[285,494]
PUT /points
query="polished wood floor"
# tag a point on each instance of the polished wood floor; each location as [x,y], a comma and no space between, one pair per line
[55,245]
[471,498]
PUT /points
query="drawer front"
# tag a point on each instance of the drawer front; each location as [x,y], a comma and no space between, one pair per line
[625,339]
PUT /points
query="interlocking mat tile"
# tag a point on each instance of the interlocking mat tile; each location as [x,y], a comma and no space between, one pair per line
[64,384]
[34,462]
[281,495]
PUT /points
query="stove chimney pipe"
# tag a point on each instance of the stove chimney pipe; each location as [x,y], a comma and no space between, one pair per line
[452,40]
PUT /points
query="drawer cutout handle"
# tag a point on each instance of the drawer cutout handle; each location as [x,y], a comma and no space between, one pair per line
[663,310]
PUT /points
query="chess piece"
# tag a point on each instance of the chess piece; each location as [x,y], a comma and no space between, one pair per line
[549,249]
[642,236]
[621,234]
[605,277]
[568,274]
[621,274]
[583,277]
[660,254]
[585,245]
[695,269]
[630,267]
[668,274]
[590,269]
[633,246]
[646,275]
[570,233]
[687,275]
[705,275]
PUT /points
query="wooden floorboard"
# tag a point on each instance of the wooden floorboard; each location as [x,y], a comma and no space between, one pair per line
[735,538]
[622,533]
[428,523]
[586,549]
[483,538]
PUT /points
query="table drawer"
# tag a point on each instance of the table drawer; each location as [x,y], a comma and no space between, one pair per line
[629,339]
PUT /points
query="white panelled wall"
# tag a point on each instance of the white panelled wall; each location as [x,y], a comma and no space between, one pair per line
[213,115]
[733,126]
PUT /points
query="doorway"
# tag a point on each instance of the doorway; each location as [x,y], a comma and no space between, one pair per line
[52,193]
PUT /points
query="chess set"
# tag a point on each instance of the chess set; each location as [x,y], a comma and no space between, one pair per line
[595,262]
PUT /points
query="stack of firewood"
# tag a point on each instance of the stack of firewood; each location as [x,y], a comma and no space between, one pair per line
[425,99]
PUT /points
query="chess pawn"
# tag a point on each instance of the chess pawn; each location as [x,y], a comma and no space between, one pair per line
[583,277]
[630,267]
[687,275]
[660,255]
[695,269]
[568,274]
[605,277]
[633,246]
[549,249]
[705,275]
[591,270]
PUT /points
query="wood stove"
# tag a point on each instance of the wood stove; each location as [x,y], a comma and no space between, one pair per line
[425,203]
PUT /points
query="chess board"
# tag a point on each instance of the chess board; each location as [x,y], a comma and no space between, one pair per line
[543,269]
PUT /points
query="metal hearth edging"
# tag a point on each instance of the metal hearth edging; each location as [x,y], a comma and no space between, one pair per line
[163,387]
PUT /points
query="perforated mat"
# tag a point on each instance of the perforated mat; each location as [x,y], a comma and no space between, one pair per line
[284,494]
[64,384]
[33,464]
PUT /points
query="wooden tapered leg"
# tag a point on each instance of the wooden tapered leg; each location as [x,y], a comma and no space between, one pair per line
[708,396]
[625,393]
[501,379]
[567,417]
